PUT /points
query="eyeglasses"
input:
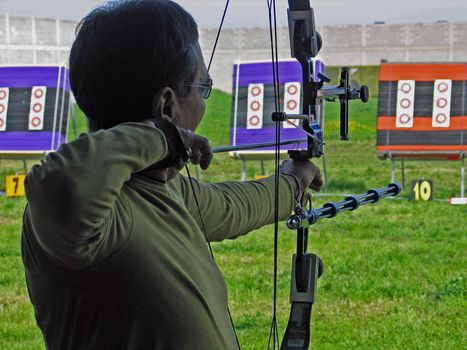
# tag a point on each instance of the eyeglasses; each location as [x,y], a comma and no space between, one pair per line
[205,88]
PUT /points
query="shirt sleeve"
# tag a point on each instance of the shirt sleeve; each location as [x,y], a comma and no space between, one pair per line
[233,208]
[74,195]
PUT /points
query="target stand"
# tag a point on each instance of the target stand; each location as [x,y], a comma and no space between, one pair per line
[253,103]
[422,113]
[34,109]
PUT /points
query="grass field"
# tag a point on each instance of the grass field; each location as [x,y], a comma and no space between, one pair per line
[395,273]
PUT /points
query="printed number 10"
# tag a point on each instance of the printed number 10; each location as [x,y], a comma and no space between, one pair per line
[422,190]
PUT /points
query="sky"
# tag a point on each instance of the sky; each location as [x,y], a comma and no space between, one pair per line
[253,13]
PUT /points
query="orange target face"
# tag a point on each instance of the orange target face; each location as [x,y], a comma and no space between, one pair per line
[442,102]
[405,103]
[404,118]
[406,88]
[441,118]
[443,87]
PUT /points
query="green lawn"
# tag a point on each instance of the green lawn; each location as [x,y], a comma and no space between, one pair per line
[395,273]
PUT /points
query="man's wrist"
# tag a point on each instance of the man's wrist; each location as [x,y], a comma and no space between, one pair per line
[294,183]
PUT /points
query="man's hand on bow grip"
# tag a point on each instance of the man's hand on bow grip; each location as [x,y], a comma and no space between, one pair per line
[199,150]
[305,173]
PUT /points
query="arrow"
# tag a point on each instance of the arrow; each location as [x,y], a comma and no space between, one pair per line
[223,149]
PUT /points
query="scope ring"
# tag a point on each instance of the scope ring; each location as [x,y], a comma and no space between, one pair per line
[355,202]
[376,196]
[334,208]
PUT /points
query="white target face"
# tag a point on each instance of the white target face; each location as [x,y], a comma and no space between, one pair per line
[292,93]
[4,96]
[405,103]
[37,109]
[441,103]
[254,117]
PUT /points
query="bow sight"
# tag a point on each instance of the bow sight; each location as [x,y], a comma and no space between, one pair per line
[305,43]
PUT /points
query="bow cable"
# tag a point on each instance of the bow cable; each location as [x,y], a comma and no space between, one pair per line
[273,332]
[218,34]
[203,225]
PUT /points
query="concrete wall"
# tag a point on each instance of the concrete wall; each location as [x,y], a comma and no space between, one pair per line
[30,40]
[349,45]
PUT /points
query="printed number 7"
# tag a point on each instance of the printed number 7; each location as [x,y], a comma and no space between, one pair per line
[16,181]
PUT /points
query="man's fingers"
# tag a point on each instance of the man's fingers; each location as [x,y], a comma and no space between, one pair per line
[316,184]
[202,153]
[317,181]
[205,160]
[195,158]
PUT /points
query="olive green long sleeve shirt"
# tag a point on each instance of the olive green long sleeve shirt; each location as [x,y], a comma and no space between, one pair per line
[116,260]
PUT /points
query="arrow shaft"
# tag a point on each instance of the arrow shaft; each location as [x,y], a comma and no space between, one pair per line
[223,149]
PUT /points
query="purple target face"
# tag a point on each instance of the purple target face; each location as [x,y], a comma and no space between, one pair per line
[254,120]
[292,89]
[255,91]
[38,93]
[291,104]
[255,106]
[36,121]
[37,107]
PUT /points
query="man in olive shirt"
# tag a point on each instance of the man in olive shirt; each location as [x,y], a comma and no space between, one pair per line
[113,246]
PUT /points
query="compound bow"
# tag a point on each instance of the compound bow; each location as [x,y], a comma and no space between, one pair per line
[305,44]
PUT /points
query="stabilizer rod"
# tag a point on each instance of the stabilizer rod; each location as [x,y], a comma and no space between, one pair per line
[331,209]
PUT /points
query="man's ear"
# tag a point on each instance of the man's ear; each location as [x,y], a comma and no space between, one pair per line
[165,103]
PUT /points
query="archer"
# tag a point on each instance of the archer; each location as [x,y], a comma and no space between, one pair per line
[114,238]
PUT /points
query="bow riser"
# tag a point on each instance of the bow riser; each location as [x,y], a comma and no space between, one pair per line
[307,267]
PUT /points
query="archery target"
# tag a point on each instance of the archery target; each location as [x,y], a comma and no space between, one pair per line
[292,93]
[36,112]
[405,103]
[255,106]
[4,95]
[441,103]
